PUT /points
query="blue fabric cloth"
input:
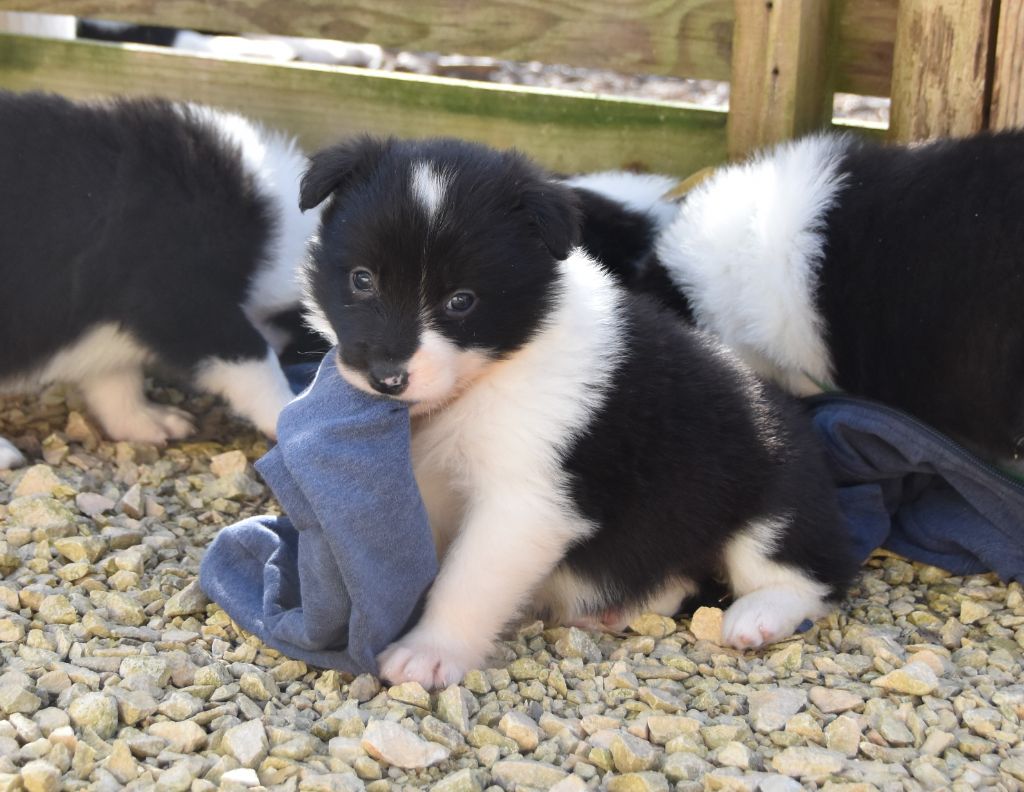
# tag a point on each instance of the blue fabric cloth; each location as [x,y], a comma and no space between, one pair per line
[341,576]
[907,488]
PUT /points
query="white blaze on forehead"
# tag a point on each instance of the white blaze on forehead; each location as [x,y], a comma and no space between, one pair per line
[428,187]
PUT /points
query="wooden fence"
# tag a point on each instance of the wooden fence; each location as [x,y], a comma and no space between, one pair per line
[950,66]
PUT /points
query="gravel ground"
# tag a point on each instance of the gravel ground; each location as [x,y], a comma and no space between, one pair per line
[117,672]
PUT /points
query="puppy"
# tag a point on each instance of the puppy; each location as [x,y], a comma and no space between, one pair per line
[137,233]
[891,272]
[581,453]
[623,216]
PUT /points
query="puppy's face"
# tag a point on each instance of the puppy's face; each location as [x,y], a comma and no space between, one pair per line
[434,259]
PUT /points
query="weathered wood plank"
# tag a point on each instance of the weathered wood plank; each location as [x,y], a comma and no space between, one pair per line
[781,72]
[643,36]
[565,131]
[1007,108]
[940,65]
[864,41]
[685,38]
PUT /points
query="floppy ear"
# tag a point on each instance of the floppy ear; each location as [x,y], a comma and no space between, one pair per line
[554,210]
[336,167]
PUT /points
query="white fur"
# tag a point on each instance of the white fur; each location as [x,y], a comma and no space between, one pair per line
[277,164]
[746,247]
[99,350]
[772,598]
[107,363]
[428,188]
[641,192]
[118,401]
[255,389]
[438,371]
[498,445]
[312,312]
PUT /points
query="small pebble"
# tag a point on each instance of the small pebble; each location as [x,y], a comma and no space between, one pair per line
[706,624]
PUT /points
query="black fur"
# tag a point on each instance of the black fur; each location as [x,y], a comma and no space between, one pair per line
[922,283]
[126,212]
[146,218]
[304,345]
[532,221]
[623,239]
[922,286]
[687,450]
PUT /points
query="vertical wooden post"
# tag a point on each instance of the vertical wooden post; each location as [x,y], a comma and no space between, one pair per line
[782,70]
[1007,109]
[940,68]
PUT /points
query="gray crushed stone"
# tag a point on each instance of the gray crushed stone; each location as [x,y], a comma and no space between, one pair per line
[116,672]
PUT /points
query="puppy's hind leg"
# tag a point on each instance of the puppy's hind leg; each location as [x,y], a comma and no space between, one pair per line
[10,457]
[255,387]
[118,401]
[773,599]
[232,360]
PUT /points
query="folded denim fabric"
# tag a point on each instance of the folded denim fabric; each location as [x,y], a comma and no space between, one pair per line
[906,487]
[342,575]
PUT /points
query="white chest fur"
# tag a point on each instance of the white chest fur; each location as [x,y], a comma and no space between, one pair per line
[491,461]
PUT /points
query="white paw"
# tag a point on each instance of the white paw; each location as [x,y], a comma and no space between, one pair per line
[429,660]
[155,423]
[10,457]
[256,389]
[768,615]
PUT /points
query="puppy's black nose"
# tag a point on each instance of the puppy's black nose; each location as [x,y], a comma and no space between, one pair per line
[388,379]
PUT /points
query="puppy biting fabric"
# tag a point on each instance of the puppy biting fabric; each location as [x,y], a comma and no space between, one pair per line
[337,580]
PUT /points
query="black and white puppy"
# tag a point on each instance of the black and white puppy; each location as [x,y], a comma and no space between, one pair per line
[892,272]
[581,452]
[142,232]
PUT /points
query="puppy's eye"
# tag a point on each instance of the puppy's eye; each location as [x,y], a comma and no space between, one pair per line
[460,303]
[362,280]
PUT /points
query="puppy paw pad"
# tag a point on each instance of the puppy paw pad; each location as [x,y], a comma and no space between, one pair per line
[413,660]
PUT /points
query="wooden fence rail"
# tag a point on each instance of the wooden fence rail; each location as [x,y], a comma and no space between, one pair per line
[682,38]
[950,66]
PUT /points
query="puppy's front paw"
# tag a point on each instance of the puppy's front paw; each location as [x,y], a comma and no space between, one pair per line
[153,423]
[767,615]
[176,424]
[429,660]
